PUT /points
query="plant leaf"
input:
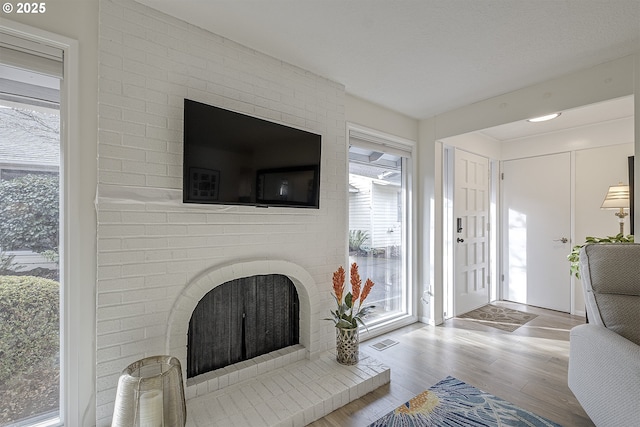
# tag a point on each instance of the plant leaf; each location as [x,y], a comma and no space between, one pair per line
[348,300]
[343,324]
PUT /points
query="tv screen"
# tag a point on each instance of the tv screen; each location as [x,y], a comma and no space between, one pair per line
[233,158]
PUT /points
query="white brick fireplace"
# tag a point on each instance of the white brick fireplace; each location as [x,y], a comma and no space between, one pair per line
[293,386]
[157,255]
[180,314]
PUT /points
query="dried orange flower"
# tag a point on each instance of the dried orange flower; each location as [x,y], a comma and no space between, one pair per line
[365,292]
[338,283]
[350,312]
[356,282]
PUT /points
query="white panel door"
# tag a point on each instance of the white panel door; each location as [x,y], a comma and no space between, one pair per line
[536,200]
[471,234]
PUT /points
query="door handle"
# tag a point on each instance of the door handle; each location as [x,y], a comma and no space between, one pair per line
[562,239]
[459,240]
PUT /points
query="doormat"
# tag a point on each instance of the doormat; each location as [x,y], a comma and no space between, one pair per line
[502,318]
[454,403]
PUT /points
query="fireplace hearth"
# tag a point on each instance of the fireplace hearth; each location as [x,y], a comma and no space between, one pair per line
[294,385]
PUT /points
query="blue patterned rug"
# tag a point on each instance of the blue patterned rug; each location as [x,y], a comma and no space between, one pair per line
[453,403]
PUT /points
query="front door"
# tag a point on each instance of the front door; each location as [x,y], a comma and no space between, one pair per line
[537,224]
[471,231]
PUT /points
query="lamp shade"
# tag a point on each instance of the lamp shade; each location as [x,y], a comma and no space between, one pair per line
[151,394]
[617,197]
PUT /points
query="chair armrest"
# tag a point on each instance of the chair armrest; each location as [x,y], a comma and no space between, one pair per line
[604,375]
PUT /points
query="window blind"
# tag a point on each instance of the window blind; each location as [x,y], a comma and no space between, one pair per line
[379,144]
[30,55]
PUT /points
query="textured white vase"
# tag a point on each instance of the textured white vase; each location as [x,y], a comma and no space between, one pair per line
[347,344]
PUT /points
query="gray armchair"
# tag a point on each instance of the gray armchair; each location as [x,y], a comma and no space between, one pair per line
[604,355]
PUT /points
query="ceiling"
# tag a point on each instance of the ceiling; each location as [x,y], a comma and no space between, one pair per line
[425,57]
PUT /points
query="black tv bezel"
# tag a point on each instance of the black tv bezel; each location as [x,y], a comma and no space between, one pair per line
[263,203]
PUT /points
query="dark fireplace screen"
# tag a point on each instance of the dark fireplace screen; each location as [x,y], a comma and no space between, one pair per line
[240,320]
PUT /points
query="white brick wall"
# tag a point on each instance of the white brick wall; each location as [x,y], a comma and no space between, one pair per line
[150,245]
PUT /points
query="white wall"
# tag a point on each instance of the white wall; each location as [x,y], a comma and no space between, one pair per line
[595,170]
[373,116]
[476,143]
[78,20]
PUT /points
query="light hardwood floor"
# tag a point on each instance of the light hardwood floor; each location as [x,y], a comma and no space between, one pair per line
[527,367]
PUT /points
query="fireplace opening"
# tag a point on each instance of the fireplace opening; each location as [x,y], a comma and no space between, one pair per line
[242,319]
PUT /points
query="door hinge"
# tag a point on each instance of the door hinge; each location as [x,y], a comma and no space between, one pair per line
[502,277]
[502,176]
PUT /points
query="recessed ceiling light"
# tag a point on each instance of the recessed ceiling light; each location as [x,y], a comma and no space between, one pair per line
[544,118]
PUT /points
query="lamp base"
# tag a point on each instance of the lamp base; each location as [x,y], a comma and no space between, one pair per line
[621,214]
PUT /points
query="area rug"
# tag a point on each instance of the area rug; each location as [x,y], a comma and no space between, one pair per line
[498,317]
[453,403]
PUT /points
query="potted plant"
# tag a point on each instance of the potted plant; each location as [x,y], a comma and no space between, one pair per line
[357,239]
[574,256]
[350,313]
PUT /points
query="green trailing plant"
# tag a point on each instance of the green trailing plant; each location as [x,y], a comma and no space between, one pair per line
[357,239]
[574,256]
[29,324]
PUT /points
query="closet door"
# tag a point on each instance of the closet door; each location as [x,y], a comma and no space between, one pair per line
[536,200]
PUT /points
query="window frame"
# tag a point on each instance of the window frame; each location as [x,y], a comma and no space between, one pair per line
[406,148]
[75,353]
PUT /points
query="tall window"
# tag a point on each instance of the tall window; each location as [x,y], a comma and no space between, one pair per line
[379,212]
[29,233]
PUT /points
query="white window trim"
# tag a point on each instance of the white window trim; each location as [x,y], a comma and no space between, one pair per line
[399,146]
[75,353]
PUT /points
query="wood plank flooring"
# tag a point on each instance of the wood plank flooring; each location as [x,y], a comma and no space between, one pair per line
[527,367]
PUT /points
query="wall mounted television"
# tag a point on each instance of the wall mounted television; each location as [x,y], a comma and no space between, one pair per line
[235,159]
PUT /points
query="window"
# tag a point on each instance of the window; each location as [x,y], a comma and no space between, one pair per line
[379,222]
[30,290]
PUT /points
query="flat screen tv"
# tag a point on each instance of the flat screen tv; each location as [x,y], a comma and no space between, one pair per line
[235,159]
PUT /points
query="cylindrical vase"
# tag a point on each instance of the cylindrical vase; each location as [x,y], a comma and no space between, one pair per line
[151,394]
[347,343]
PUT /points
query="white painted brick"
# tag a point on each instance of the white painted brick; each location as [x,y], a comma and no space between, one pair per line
[109,298]
[105,273]
[228,405]
[164,181]
[145,73]
[121,126]
[119,312]
[108,326]
[145,242]
[140,322]
[108,353]
[264,393]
